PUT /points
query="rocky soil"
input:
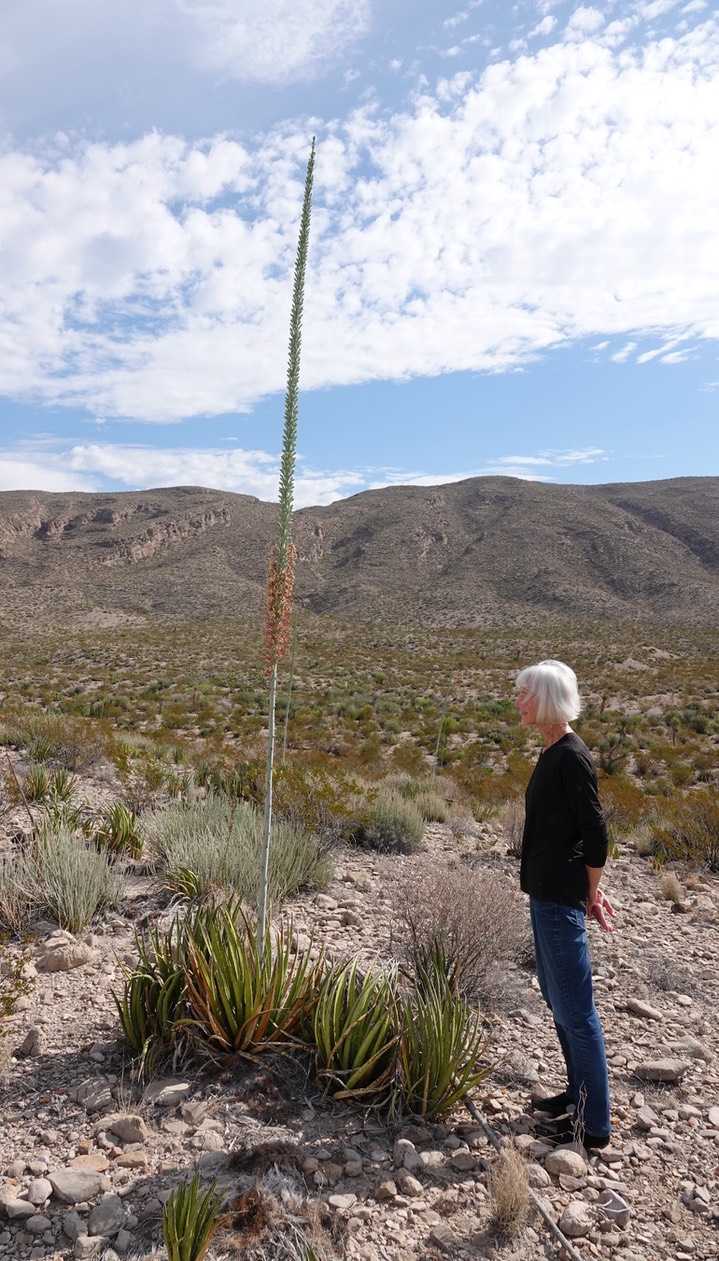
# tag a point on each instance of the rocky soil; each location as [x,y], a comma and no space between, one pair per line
[88,1159]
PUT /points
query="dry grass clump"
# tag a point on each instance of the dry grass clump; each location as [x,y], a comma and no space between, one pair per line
[508,1185]
[59,875]
[511,821]
[671,888]
[392,824]
[214,844]
[473,917]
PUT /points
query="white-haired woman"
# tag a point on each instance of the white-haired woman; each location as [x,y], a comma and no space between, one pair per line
[564,850]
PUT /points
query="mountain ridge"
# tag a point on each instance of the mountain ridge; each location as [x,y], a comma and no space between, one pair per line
[463,553]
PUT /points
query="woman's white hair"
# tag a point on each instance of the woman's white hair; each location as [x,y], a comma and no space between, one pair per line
[554,687]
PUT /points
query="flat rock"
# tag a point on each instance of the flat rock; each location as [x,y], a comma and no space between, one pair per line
[73,1186]
[714,1118]
[62,952]
[167,1092]
[662,1070]
[341,1203]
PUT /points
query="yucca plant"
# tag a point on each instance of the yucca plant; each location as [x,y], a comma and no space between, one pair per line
[190,1218]
[281,576]
[241,997]
[118,831]
[442,1042]
[36,784]
[356,1029]
[153,997]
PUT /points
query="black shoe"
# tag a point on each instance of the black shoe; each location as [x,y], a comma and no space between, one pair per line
[553,1105]
[565,1131]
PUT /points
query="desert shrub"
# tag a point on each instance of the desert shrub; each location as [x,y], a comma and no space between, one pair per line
[624,803]
[473,917]
[59,875]
[68,742]
[508,1186]
[391,824]
[355,1028]
[689,828]
[442,1044]
[218,840]
[511,821]
[644,840]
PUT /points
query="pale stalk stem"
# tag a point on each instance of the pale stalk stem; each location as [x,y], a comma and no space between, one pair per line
[439,736]
[267,824]
[289,696]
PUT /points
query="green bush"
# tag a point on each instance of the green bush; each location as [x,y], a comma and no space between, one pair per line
[214,844]
[689,828]
[119,831]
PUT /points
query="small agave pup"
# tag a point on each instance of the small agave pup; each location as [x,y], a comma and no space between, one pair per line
[281,577]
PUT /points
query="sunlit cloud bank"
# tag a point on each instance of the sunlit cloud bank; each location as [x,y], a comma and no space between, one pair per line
[99,466]
[569,192]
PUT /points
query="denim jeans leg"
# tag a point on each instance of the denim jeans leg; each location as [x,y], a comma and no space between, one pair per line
[565,979]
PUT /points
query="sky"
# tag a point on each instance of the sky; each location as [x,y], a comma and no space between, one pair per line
[514,253]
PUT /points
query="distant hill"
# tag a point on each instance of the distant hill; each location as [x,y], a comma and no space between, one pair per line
[464,554]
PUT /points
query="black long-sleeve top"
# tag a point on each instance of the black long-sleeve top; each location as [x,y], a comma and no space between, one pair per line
[564,829]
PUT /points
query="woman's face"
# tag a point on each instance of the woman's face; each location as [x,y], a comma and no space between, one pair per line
[527,706]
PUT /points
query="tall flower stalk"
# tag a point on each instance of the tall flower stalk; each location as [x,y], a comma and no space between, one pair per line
[281,576]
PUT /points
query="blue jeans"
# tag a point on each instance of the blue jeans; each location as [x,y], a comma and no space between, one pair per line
[565,979]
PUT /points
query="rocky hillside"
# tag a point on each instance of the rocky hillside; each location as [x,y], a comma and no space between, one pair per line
[466,553]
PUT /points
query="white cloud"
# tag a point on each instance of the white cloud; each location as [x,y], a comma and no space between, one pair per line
[568,194]
[622,355]
[42,464]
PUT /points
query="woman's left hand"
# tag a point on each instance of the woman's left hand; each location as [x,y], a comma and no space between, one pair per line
[601,909]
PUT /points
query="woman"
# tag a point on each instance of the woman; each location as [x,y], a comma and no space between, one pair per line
[564,849]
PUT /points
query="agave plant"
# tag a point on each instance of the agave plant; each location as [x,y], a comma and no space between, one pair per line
[242,997]
[443,1040]
[190,1218]
[356,1027]
[119,832]
[153,998]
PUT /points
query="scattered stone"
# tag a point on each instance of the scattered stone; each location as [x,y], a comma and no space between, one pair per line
[567,1161]
[386,1190]
[167,1092]
[33,1044]
[405,1155]
[128,1128]
[39,1190]
[94,1161]
[87,1245]
[641,1008]
[576,1220]
[107,1217]
[442,1236]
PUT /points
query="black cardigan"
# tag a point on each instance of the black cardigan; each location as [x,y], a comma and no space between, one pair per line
[564,829]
